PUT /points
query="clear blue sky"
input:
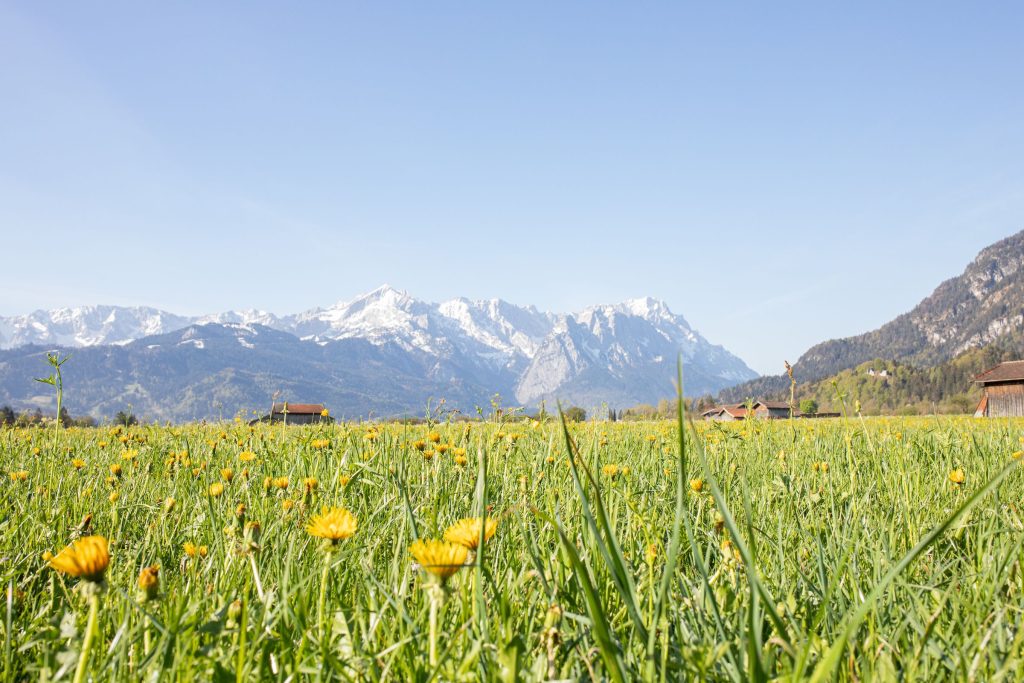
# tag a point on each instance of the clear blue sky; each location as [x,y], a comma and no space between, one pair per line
[779,173]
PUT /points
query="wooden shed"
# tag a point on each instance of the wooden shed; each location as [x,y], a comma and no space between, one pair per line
[726,413]
[1003,388]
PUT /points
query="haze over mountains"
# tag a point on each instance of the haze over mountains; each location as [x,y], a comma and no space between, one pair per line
[975,309]
[381,353]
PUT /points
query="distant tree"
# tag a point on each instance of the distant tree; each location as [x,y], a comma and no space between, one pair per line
[126,419]
[809,406]
[961,404]
[30,419]
[7,416]
[575,414]
[705,402]
[666,408]
[85,421]
[64,417]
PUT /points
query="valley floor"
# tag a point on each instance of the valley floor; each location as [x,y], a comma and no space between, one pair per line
[855,549]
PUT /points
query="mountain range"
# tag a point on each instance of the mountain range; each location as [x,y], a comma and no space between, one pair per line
[978,308]
[381,353]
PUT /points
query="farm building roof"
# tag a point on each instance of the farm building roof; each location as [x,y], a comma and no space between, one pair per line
[772,405]
[1010,371]
[299,408]
[737,410]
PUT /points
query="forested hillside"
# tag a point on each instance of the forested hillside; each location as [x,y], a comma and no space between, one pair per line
[982,305]
[890,387]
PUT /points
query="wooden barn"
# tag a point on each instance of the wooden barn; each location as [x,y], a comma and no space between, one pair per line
[296,413]
[1003,388]
[772,410]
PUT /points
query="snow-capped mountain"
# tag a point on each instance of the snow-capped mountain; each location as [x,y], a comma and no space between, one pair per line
[618,354]
[87,326]
[625,353]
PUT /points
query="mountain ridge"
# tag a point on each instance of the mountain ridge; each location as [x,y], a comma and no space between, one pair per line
[461,349]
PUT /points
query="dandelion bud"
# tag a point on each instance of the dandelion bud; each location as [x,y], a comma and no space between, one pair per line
[149,583]
[651,554]
[234,613]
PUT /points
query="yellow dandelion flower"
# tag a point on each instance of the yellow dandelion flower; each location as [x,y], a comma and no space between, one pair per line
[434,437]
[467,531]
[216,490]
[696,485]
[439,558]
[87,558]
[957,476]
[227,474]
[333,524]
[460,460]
[610,470]
[246,456]
[78,463]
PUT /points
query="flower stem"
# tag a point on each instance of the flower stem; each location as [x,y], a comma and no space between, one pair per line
[323,596]
[90,632]
[435,603]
